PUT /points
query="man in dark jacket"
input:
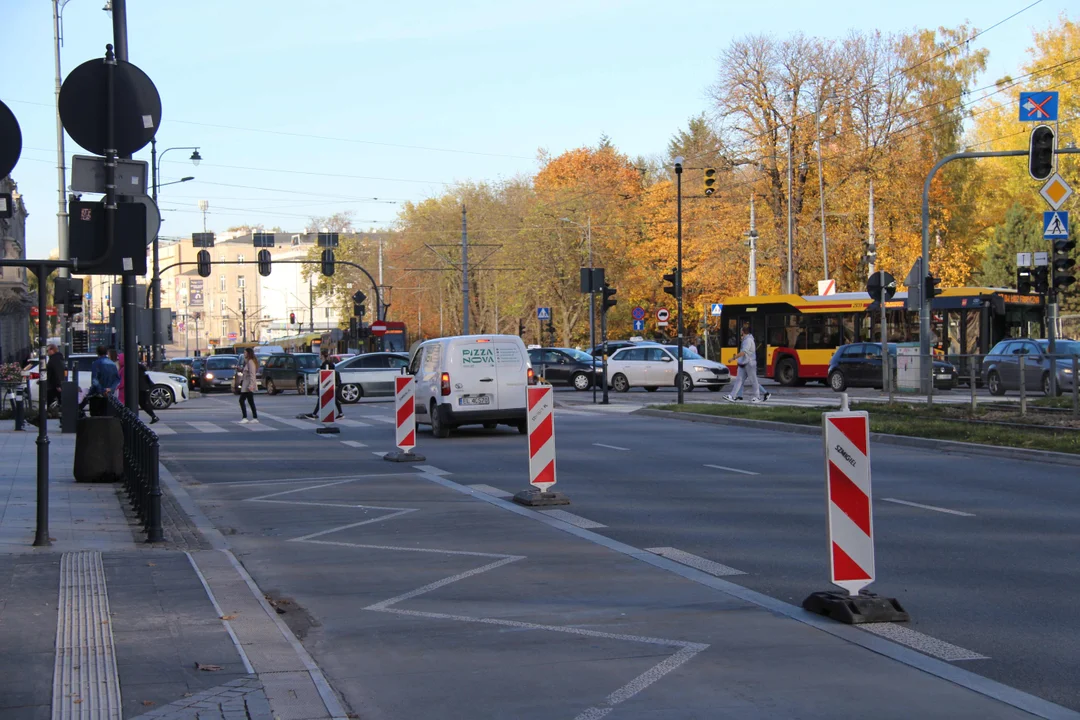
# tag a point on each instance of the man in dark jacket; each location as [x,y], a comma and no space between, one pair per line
[55,374]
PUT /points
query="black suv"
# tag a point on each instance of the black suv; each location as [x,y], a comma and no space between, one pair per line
[565,366]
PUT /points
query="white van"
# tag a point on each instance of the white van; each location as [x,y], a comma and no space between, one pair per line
[471,380]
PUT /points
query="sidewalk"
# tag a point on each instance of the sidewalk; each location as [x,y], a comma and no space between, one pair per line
[103,625]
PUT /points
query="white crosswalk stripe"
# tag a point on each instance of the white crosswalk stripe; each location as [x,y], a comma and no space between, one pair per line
[206,427]
[161,429]
[344,422]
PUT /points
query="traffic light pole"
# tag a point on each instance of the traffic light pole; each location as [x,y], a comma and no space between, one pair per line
[678,279]
[603,354]
[1051,337]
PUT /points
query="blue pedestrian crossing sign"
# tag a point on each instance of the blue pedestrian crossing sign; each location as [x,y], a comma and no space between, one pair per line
[715,309]
[1038,106]
[543,313]
[1056,225]
[639,325]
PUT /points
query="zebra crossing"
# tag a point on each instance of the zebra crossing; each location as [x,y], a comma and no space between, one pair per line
[267,423]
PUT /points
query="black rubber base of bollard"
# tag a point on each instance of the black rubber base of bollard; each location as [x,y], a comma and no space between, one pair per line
[536,498]
[865,607]
[398,456]
[328,430]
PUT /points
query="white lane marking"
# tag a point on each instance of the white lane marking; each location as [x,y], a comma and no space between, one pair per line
[434,470]
[160,429]
[575,520]
[392,421]
[206,427]
[928,507]
[922,642]
[257,427]
[353,443]
[694,561]
[352,423]
[380,453]
[489,490]
[610,447]
[731,469]
[291,422]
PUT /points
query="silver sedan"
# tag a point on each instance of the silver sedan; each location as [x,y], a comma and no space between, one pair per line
[370,375]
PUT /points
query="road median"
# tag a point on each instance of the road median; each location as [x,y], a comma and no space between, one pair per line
[945,428]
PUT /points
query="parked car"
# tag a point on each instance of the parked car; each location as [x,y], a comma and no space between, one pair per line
[166,389]
[565,366]
[652,366]
[859,365]
[369,375]
[285,371]
[219,372]
[1001,367]
[471,380]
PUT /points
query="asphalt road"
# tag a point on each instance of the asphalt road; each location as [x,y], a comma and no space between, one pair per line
[985,560]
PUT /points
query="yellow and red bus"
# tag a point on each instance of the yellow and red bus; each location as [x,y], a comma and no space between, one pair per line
[797,335]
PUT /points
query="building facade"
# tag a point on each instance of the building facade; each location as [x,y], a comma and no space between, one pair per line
[15,301]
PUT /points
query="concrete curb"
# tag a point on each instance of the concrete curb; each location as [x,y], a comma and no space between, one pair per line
[953,446]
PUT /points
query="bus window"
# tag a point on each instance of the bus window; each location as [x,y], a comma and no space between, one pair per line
[848,335]
[822,332]
[972,320]
[731,333]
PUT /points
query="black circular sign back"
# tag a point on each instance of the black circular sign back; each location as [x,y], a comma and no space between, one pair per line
[874,286]
[84,107]
[10,141]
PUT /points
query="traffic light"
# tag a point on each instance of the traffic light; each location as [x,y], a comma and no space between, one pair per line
[674,290]
[204,263]
[930,287]
[264,262]
[1063,264]
[292,318]
[1040,279]
[609,300]
[710,181]
[521,328]
[1041,152]
[328,262]
[1023,280]
[358,299]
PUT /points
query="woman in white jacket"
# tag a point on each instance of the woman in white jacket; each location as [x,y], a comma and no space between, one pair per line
[248,385]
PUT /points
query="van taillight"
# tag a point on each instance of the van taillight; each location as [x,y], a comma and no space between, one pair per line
[532,376]
[444,383]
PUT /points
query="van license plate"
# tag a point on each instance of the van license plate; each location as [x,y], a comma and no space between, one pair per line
[478,400]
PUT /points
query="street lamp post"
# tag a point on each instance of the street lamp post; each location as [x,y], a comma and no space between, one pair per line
[155,282]
[678,273]
[587,227]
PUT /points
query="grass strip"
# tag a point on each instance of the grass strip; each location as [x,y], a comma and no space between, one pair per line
[937,423]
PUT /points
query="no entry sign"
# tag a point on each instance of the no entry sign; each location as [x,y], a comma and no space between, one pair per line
[851,517]
[378,329]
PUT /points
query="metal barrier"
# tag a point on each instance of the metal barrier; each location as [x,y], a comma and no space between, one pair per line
[141,479]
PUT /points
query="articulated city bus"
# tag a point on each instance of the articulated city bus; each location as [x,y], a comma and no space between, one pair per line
[797,336]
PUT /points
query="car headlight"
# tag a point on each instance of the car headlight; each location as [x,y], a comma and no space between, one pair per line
[1066,371]
[209,376]
[177,379]
[700,368]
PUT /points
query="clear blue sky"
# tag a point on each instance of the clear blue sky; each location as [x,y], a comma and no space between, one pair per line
[491,80]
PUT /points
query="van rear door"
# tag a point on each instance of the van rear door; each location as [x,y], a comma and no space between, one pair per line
[473,375]
[510,362]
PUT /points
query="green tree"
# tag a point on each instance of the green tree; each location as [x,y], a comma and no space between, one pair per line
[1021,232]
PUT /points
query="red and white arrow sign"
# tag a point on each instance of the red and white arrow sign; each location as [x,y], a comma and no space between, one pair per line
[851,517]
[405,405]
[541,401]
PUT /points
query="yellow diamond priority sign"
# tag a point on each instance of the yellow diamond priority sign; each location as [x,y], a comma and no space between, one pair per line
[1056,191]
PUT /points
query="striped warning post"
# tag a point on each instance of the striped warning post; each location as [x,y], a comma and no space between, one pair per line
[541,436]
[327,406]
[405,415]
[851,516]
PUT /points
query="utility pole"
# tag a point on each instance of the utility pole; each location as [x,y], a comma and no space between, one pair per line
[311,306]
[753,235]
[380,312]
[821,198]
[464,273]
[243,313]
[679,283]
[61,180]
[870,222]
[130,343]
[790,221]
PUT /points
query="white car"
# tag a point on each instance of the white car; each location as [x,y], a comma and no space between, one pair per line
[166,389]
[471,380]
[655,366]
[369,375]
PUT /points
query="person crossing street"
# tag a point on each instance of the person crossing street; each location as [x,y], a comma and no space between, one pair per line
[248,385]
[746,361]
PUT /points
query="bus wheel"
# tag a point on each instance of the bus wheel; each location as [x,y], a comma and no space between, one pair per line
[787,373]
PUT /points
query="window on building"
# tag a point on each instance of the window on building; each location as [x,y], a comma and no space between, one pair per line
[222,279]
[223,306]
[224,328]
[240,257]
[239,281]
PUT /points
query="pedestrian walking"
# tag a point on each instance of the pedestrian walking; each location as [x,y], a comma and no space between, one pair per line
[328,364]
[55,374]
[104,378]
[248,384]
[746,362]
[144,394]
